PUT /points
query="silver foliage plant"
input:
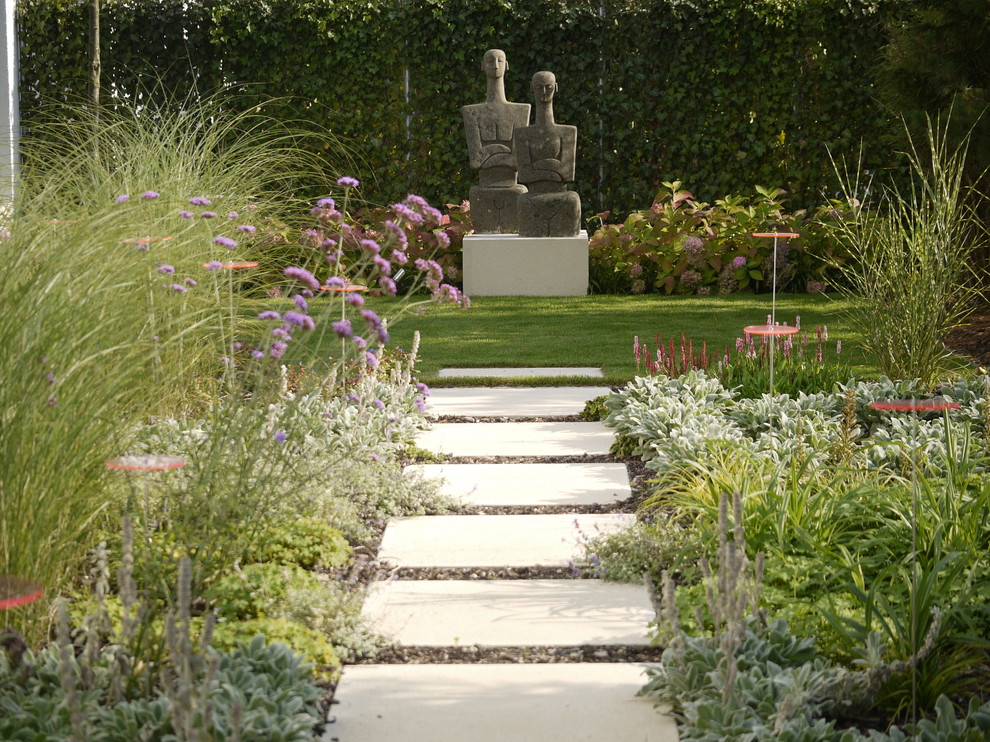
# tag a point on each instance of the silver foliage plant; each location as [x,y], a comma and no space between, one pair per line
[674,423]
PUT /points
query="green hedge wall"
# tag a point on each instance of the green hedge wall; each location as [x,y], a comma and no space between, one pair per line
[722,94]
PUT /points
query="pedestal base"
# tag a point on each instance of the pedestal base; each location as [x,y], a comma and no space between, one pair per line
[509,265]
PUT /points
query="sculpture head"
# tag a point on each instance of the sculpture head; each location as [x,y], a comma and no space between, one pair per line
[544,86]
[494,63]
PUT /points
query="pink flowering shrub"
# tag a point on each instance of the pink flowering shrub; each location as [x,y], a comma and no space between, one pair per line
[683,246]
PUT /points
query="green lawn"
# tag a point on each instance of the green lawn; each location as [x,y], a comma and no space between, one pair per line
[597,330]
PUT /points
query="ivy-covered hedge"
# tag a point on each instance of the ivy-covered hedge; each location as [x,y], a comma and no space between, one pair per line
[721,93]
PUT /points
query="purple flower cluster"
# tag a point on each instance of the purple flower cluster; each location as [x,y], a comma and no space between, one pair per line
[375,324]
[224,242]
[694,249]
[302,275]
[200,201]
[347,182]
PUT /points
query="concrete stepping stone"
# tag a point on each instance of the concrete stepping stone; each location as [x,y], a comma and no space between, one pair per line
[516,373]
[517,439]
[509,612]
[487,401]
[531,484]
[493,540]
[568,702]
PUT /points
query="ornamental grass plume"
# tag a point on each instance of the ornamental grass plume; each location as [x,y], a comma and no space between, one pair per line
[910,277]
[99,317]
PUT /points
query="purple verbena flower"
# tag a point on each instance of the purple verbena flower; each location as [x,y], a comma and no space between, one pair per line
[257,354]
[231,215]
[150,195]
[383,265]
[166,268]
[200,201]
[279,436]
[214,265]
[397,232]
[278,349]
[443,239]
[224,242]
[178,288]
[387,285]
[423,388]
[326,203]
[347,182]
[301,274]
[355,299]
[185,214]
[399,257]
[413,217]
[299,320]
[207,214]
[379,404]
[342,328]
[269,314]
[372,359]
[300,302]
[191,282]
[246,228]
[360,342]
[121,198]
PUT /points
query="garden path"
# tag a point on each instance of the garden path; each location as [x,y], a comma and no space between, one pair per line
[522,701]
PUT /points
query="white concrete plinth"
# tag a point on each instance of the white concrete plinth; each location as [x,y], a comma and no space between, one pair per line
[510,265]
[567,702]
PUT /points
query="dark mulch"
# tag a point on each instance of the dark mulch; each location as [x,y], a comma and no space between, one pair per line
[973,339]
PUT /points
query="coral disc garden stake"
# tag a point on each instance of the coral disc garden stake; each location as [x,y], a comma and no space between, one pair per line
[914,406]
[144,463]
[771,330]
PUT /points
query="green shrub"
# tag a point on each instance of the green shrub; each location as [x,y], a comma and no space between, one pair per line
[646,548]
[273,632]
[257,590]
[307,542]
[684,246]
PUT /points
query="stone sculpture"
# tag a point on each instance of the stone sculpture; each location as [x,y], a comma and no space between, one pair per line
[489,127]
[545,154]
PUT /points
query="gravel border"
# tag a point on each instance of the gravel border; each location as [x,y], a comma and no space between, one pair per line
[514,655]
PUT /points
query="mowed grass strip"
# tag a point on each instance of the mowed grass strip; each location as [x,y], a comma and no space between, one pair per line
[595,331]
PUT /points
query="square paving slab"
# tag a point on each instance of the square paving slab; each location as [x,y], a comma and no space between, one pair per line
[487,401]
[515,373]
[493,540]
[580,702]
[444,613]
[531,484]
[517,439]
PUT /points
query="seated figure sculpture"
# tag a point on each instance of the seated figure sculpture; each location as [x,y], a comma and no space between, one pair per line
[545,155]
[489,127]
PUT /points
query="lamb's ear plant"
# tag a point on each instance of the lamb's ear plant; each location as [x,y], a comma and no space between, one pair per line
[911,275]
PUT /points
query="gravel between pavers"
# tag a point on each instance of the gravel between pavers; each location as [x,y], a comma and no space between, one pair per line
[474,654]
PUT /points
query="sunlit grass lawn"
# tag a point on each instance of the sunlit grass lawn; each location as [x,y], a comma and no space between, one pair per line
[596,331]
